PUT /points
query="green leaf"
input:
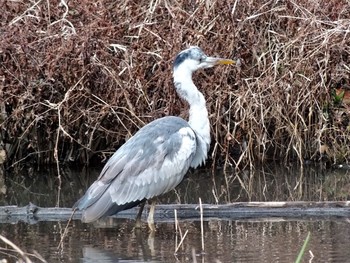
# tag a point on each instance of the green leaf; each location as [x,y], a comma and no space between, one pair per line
[301,253]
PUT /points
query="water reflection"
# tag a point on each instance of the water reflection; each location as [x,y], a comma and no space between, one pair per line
[269,183]
[225,241]
[94,254]
[115,240]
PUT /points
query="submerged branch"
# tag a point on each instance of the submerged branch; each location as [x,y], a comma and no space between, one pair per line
[165,213]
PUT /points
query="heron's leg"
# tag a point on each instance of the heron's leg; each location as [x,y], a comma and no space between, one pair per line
[150,218]
[138,223]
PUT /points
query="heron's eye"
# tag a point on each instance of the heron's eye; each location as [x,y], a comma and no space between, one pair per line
[201,59]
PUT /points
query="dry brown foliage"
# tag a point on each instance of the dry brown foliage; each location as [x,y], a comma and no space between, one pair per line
[80,77]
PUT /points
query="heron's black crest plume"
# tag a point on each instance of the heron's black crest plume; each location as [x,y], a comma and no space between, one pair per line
[193,52]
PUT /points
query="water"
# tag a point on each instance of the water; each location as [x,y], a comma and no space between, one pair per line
[115,240]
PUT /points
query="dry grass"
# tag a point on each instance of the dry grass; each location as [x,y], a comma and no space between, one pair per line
[79,78]
[14,252]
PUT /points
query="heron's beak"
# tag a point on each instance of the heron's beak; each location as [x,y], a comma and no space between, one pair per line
[224,61]
[219,61]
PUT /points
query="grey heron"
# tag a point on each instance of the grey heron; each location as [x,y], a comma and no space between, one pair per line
[156,158]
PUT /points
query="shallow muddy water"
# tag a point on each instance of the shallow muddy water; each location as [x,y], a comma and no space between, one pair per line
[248,240]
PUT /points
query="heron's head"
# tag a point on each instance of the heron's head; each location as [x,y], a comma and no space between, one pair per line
[194,58]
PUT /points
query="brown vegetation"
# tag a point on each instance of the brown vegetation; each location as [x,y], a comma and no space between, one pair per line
[79,77]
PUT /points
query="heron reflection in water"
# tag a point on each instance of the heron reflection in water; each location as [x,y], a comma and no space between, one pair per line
[155,160]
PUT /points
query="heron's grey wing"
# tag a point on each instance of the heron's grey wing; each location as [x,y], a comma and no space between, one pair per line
[97,189]
[152,162]
[154,173]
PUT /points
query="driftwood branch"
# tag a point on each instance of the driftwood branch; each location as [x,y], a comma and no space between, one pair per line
[245,210]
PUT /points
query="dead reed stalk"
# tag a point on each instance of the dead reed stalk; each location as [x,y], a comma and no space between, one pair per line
[178,231]
[107,67]
[23,257]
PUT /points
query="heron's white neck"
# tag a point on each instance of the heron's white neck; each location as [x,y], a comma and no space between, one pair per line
[198,114]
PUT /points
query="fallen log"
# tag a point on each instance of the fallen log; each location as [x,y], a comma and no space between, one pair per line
[165,213]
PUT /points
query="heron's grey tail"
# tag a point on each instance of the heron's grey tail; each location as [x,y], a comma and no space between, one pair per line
[101,208]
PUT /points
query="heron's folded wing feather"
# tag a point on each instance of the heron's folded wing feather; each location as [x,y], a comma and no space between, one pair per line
[157,173]
[152,162]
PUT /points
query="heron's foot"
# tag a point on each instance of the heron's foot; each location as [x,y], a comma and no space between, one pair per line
[150,219]
[151,226]
[138,223]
